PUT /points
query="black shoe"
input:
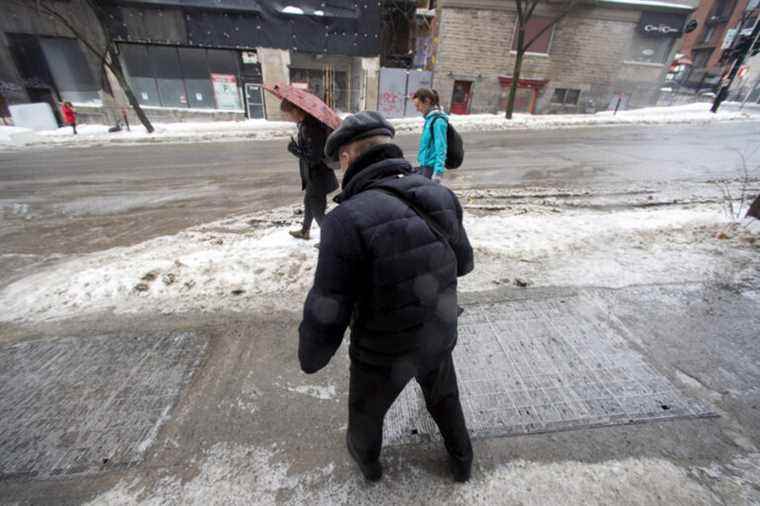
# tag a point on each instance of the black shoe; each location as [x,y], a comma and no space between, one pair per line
[373,471]
[461,471]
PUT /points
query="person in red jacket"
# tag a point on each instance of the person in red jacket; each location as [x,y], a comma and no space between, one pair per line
[69,115]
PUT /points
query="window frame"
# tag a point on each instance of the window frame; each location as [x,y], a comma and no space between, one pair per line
[549,43]
[565,92]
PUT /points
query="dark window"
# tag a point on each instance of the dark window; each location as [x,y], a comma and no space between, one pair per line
[71,72]
[722,8]
[565,96]
[701,57]
[221,61]
[534,26]
[650,49]
[571,97]
[168,75]
[709,31]
[184,77]
[200,92]
[140,72]
[30,60]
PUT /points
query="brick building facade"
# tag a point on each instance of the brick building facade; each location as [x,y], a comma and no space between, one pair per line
[719,22]
[596,54]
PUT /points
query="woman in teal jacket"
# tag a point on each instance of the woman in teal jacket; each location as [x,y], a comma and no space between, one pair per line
[431,156]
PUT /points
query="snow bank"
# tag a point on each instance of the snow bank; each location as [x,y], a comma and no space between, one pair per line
[7,133]
[251,262]
[211,131]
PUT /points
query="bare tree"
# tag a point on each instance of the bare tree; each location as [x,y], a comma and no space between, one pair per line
[104,50]
[525,11]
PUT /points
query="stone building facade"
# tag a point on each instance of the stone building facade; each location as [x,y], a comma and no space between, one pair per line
[597,55]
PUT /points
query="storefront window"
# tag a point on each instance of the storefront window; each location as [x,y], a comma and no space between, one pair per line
[647,49]
[225,77]
[70,70]
[171,76]
[140,73]
[168,74]
[200,93]
[332,87]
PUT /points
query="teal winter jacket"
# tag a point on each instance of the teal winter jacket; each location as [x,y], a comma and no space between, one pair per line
[432,152]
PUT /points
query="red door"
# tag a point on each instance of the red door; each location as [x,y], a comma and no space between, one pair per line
[460,97]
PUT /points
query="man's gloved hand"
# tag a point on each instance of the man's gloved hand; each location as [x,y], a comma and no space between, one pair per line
[295,149]
[437,177]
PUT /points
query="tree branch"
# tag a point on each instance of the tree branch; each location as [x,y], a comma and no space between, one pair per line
[520,15]
[49,11]
[532,8]
[553,22]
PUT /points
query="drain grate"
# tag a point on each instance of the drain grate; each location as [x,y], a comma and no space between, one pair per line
[545,365]
[77,405]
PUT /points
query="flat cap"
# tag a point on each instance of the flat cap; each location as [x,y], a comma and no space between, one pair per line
[356,127]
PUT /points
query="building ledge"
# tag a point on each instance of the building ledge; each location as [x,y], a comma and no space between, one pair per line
[528,53]
[644,64]
[650,5]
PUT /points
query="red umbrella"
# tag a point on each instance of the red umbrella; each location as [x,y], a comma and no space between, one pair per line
[306,101]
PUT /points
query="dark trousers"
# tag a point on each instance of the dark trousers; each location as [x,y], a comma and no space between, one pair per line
[314,206]
[74,127]
[372,390]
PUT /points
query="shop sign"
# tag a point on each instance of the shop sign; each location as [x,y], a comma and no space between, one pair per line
[661,24]
[226,91]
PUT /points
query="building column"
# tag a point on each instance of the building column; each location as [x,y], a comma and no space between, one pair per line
[275,69]
[371,70]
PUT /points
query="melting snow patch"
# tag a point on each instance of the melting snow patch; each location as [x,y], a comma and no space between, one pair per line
[233,474]
[318,392]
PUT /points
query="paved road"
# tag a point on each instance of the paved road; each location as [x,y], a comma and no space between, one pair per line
[79,200]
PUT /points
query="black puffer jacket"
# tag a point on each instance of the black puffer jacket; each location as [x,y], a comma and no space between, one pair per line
[382,268]
[316,177]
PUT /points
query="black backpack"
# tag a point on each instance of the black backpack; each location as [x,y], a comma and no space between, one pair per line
[454,145]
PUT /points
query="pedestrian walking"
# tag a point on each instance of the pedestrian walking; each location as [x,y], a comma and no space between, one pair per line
[388,264]
[431,155]
[317,179]
[69,115]
[722,95]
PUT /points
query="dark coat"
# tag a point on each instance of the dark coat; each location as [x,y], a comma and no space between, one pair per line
[382,268]
[316,177]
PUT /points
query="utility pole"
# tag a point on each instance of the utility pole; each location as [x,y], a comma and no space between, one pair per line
[741,46]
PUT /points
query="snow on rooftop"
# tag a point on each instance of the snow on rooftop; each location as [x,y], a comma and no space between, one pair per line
[292,10]
[651,3]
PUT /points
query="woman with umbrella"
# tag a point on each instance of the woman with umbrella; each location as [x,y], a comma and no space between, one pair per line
[317,178]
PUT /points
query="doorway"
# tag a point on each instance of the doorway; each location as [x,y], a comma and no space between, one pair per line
[460,97]
[254,100]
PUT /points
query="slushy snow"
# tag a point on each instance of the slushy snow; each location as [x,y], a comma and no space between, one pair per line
[250,262]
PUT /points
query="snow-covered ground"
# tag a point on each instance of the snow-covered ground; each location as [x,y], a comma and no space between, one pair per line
[14,137]
[250,262]
[235,474]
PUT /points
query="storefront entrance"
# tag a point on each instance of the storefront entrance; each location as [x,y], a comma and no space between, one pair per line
[527,93]
[461,97]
